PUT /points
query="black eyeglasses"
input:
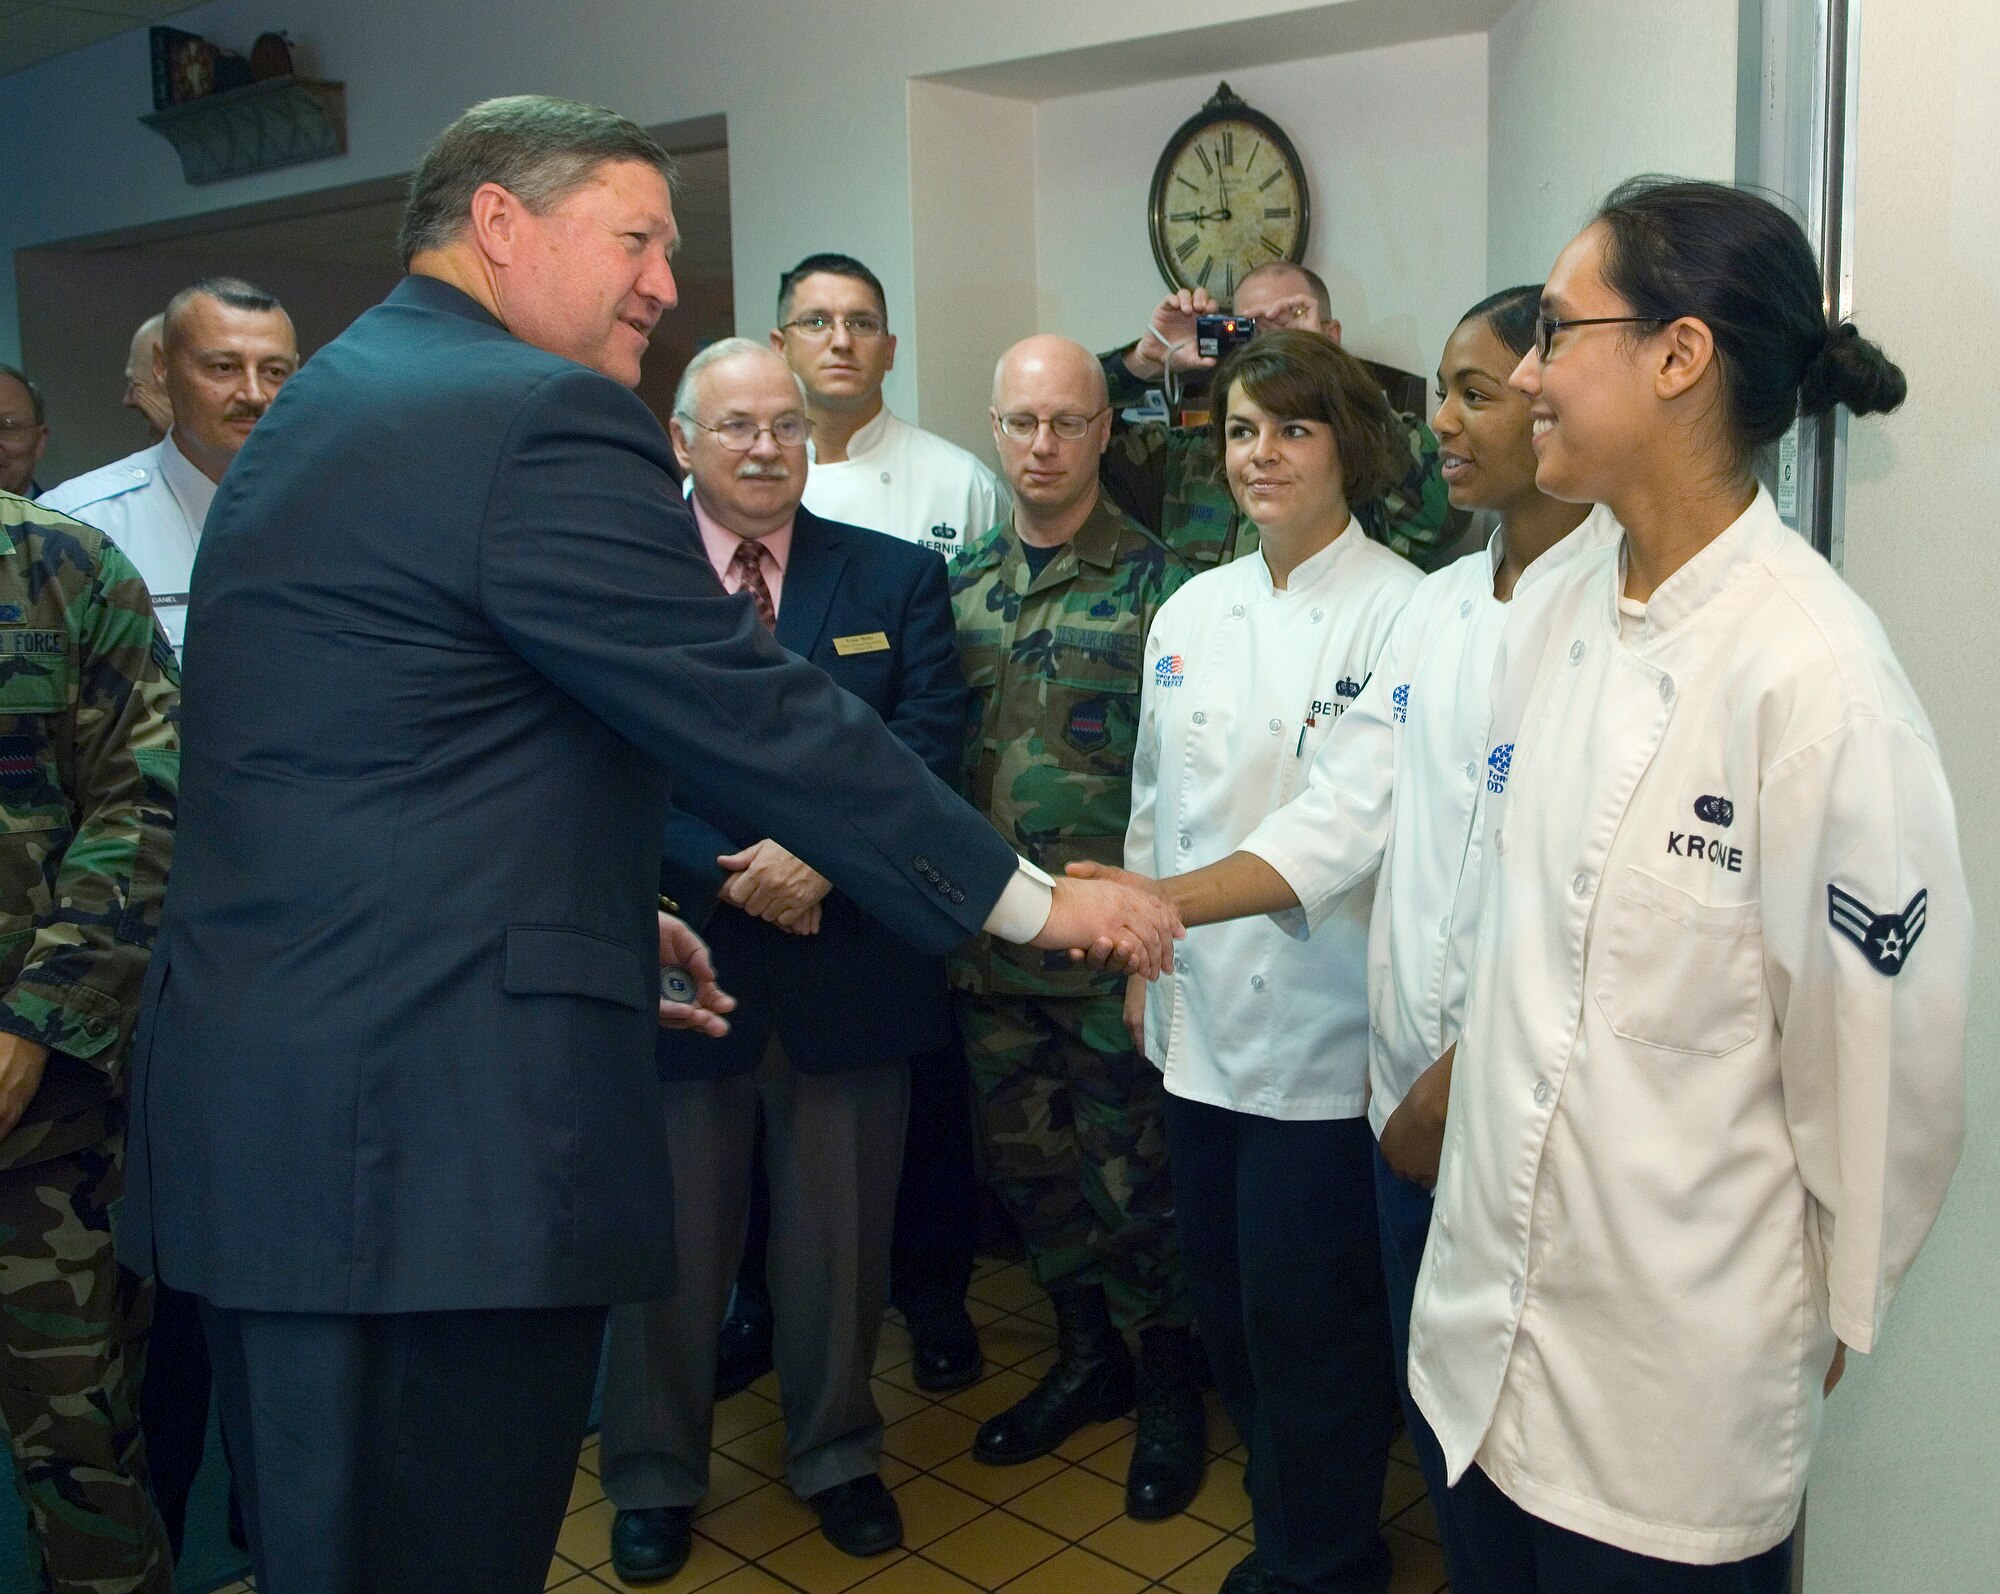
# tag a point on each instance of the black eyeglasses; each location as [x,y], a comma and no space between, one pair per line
[1546,327]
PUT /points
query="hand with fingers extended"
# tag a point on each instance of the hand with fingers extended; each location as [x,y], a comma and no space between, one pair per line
[684,951]
[769,883]
[1170,336]
[1113,925]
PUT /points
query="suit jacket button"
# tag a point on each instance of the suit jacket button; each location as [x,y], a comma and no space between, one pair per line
[957,895]
[922,863]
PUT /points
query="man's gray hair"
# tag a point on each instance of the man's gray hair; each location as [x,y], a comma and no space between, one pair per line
[33,389]
[715,353]
[539,148]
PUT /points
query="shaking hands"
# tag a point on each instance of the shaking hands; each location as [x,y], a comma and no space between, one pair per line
[1113,920]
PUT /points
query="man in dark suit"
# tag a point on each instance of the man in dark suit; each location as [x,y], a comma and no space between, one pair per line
[396,1119]
[830,1069]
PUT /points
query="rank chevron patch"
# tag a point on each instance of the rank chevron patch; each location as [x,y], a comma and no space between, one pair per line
[1885,939]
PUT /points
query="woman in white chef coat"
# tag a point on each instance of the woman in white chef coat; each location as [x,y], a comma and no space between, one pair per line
[1710,1090]
[1263,1040]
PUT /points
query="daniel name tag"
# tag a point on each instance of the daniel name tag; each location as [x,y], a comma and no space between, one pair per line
[863,642]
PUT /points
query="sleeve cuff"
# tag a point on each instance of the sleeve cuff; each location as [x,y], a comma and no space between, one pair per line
[1024,905]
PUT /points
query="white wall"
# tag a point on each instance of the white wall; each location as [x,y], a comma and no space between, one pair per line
[1394,146]
[1585,93]
[1906,1494]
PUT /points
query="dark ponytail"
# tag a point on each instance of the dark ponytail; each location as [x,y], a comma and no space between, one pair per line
[1739,264]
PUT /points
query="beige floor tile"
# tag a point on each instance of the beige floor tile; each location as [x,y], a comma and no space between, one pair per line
[1419,1566]
[1222,1500]
[743,1412]
[1204,1574]
[903,1374]
[1071,1504]
[560,1572]
[1009,1288]
[706,1563]
[893,1349]
[812,1564]
[998,1484]
[1222,1435]
[587,1456]
[1042,1311]
[932,1508]
[915,1576]
[1076,1571]
[994,1549]
[767,1386]
[929,1438]
[584,1489]
[581,1583]
[759,1522]
[992,1395]
[893,1472]
[762,1450]
[1113,1460]
[728,1479]
[1088,1440]
[1015,1339]
[1152,1549]
[586,1535]
[1401,1486]
[1037,1364]
[745,1580]
[896,1401]
[984,1313]
[1402,1449]
[1419,1520]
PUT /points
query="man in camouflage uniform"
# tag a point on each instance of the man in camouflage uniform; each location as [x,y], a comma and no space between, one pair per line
[1170,478]
[1052,608]
[89,765]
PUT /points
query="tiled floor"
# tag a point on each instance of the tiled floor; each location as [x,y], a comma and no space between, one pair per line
[1054,1526]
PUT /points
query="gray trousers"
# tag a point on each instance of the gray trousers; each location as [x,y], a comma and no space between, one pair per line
[833,1144]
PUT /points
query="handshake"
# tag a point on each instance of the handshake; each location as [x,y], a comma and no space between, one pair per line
[1112,919]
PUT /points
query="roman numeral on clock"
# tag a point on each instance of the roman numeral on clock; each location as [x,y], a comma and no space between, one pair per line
[1255,150]
[1277,212]
[1207,166]
[1229,149]
[1201,277]
[1228,282]
[1266,242]
[1187,246]
[1267,182]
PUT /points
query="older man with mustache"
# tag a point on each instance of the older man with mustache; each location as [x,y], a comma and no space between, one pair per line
[226,347]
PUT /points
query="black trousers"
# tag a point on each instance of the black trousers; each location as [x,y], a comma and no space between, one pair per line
[173,1405]
[937,1195]
[411,1453]
[1505,1550]
[1284,1264]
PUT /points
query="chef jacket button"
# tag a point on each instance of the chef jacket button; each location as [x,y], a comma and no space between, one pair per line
[1277,726]
[1236,611]
[1542,1092]
[1200,718]
[885,478]
[1500,841]
[1576,653]
[1256,982]
[1465,609]
[1666,689]
[1514,1292]
[1472,769]
[1581,885]
[1185,844]
[1318,615]
[1444,925]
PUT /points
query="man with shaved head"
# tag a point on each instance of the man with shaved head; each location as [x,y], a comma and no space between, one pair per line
[145,387]
[830,1072]
[226,347]
[1053,608]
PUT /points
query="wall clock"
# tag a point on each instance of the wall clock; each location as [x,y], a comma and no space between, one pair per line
[1229,195]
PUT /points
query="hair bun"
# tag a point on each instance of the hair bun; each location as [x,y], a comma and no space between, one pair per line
[1852,371]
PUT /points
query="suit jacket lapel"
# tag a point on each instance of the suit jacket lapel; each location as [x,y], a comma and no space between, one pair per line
[811,578]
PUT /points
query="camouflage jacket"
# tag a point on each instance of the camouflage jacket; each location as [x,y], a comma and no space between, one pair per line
[1054,668]
[89,766]
[1170,478]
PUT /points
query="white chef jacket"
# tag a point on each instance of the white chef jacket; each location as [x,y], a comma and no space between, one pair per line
[152,505]
[910,483]
[1711,1086]
[1401,782]
[1242,683]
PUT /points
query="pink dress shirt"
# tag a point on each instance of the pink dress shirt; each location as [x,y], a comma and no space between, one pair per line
[722,543]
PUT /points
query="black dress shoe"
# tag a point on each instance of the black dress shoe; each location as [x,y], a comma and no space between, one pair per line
[650,1546]
[1170,1451]
[1090,1382]
[743,1350]
[947,1348]
[859,1517]
[1248,1577]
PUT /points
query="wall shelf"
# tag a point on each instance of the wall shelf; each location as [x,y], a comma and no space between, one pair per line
[279,122]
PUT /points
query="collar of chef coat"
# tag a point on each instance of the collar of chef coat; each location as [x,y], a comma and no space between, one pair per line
[1598,529]
[192,490]
[1748,539]
[869,438]
[1309,572]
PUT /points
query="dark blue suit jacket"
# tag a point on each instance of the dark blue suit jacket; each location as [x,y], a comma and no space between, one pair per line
[451,628]
[855,994]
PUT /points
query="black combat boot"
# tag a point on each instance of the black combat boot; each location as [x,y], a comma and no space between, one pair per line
[1090,1382]
[1170,1452]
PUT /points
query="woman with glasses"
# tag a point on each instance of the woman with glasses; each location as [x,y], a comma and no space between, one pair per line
[1263,1041]
[1710,1090]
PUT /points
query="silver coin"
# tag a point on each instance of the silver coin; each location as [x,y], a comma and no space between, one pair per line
[676,985]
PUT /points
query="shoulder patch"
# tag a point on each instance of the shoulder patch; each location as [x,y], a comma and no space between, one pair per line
[1885,939]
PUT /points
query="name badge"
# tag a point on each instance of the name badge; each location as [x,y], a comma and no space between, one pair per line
[169,600]
[862,642]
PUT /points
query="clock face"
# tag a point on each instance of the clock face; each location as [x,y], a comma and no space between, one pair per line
[1229,196]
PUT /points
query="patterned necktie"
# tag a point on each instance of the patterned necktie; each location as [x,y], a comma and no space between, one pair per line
[749,565]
